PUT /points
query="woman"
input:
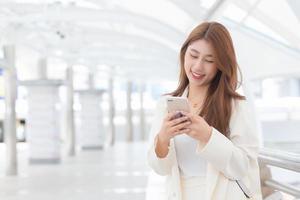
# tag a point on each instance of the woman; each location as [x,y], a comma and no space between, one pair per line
[211,152]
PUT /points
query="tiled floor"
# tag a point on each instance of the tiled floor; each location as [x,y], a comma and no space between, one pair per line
[116,173]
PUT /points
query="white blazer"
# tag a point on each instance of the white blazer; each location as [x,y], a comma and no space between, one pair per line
[228,159]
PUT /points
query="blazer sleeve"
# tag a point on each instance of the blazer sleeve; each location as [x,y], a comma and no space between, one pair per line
[234,157]
[161,166]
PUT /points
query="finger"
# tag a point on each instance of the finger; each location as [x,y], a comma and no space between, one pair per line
[184,130]
[181,125]
[174,122]
[186,114]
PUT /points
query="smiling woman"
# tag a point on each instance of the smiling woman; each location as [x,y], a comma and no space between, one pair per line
[211,152]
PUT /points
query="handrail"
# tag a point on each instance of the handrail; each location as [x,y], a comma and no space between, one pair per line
[289,189]
[281,154]
[286,160]
[281,159]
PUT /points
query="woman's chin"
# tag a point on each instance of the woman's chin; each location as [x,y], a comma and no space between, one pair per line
[198,83]
[194,80]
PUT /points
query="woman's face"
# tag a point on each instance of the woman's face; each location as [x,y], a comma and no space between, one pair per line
[199,63]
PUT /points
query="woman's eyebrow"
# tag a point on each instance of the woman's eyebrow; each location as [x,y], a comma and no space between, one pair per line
[195,50]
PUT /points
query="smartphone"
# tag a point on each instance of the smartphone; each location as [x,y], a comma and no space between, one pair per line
[178,104]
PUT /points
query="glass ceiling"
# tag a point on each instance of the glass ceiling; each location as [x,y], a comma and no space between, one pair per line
[164,23]
[273,18]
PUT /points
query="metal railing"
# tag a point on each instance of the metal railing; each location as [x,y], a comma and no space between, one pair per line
[284,160]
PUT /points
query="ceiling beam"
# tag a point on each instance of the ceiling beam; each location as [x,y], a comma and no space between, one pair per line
[295,6]
[270,23]
[216,10]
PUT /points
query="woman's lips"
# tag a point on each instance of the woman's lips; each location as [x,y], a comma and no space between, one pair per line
[196,75]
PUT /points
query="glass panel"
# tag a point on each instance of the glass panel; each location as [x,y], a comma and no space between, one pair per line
[260,27]
[234,13]
[281,13]
[207,3]
[279,113]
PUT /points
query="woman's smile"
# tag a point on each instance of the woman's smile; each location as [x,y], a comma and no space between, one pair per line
[196,75]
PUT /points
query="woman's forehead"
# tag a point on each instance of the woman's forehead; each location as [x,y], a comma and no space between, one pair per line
[202,46]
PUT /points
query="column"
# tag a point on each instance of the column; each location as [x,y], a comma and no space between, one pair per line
[91,81]
[90,129]
[142,112]
[111,125]
[129,136]
[42,68]
[42,122]
[70,113]
[10,82]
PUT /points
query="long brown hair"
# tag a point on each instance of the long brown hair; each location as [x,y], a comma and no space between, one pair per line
[217,106]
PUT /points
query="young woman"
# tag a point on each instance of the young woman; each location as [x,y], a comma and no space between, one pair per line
[211,152]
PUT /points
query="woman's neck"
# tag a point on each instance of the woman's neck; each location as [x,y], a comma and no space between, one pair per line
[197,93]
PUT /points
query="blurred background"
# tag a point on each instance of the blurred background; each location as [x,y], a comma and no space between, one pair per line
[79,82]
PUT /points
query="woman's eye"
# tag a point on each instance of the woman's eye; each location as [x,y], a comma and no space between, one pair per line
[193,56]
[210,61]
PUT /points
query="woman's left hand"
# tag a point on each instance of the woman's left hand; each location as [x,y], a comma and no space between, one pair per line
[199,129]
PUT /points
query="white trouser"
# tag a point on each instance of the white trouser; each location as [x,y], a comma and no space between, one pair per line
[193,188]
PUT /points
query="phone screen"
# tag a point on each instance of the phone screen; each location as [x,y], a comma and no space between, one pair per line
[177,104]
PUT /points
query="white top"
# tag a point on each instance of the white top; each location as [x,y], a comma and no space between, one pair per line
[233,158]
[189,162]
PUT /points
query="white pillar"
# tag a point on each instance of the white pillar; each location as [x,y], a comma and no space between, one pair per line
[42,121]
[10,82]
[70,113]
[42,68]
[129,123]
[142,112]
[294,89]
[91,81]
[89,131]
[111,131]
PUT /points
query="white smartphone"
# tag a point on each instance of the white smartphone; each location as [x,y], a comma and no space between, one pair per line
[177,104]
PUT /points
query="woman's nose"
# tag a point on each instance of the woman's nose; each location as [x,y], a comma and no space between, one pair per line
[199,64]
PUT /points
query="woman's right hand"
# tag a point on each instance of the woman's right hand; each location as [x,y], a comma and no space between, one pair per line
[172,126]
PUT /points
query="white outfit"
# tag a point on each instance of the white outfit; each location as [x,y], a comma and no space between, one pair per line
[227,159]
[190,164]
[193,188]
[192,168]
